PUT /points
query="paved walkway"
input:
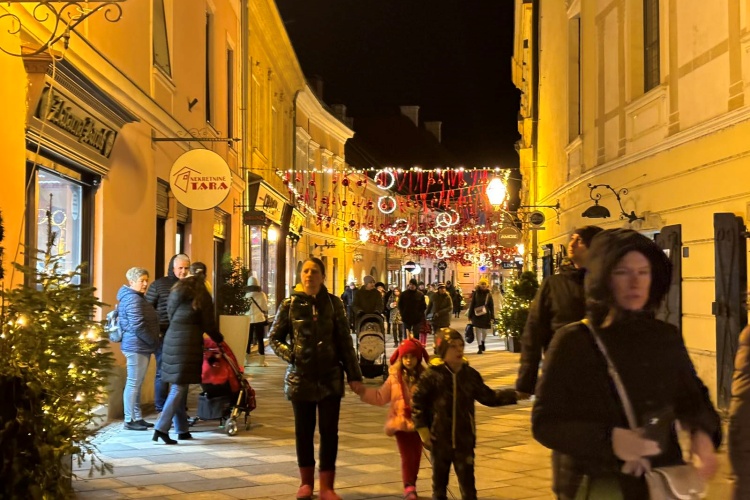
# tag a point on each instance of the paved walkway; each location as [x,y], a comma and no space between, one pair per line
[261,463]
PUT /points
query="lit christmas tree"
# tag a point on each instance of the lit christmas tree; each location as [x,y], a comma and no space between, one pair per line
[518,296]
[52,378]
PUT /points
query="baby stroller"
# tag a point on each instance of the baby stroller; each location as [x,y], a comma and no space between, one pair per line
[226,393]
[371,345]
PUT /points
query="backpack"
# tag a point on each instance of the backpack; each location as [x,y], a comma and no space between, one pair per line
[112,325]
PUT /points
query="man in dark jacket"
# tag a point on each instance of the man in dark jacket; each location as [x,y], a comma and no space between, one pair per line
[443,413]
[158,295]
[367,300]
[558,302]
[439,309]
[739,419]
[348,299]
[412,306]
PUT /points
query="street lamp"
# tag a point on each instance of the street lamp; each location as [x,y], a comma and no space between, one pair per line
[496,192]
[273,234]
[364,234]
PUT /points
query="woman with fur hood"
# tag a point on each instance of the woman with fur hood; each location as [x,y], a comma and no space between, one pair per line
[406,368]
[579,414]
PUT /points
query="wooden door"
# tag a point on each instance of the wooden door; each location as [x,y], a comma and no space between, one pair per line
[670,240]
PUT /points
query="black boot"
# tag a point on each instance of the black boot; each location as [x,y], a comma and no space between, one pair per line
[163,436]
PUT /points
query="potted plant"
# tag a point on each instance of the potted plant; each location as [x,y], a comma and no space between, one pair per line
[55,366]
[515,310]
[233,305]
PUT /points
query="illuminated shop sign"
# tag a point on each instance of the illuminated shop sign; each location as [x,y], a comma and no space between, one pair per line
[200,179]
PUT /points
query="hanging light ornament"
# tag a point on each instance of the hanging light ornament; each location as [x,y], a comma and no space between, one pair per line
[381,181]
[364,234]
[496,192]
[387,204]
[404,242]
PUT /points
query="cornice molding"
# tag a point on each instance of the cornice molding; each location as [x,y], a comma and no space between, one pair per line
[267,26]
[309,104]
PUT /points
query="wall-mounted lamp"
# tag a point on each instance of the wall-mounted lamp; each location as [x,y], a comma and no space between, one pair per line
[496,192]
[597,211]
[273,234]
[357,257]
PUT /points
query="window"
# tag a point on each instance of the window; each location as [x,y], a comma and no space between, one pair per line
[207,50]
[574,78]
[230,93]
[68,204]
[651,69]
[161,42]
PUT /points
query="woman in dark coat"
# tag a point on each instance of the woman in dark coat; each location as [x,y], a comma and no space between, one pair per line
[191,313]
[739,419]
[311,333]
[482,323]
[578,413]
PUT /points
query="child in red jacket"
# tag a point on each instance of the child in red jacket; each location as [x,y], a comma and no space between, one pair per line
[406,368]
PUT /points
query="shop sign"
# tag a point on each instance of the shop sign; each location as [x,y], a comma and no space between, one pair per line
[509,237]
[297,222]
[254,218]
[200,179]
[56,109]
[536,218]
[442,265]
[409,266]
[269,202]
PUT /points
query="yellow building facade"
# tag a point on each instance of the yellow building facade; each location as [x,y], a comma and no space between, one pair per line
[650,97]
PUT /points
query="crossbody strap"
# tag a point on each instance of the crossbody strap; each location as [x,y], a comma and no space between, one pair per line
[624,399]
[256,305]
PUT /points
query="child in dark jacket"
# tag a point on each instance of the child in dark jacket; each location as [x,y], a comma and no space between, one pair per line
[406,368]
[443,413]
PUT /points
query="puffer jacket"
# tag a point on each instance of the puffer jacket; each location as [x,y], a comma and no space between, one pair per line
[558,301]
[312,335]
[441,307]
[412,305]
[158,294]
[367,301]
[182,352]
[138,322]
[739,418]
[482,297]
[444,403]
[399,413]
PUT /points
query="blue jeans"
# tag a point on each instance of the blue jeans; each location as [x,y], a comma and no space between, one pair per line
[137,364]
[161,389]
[174,410]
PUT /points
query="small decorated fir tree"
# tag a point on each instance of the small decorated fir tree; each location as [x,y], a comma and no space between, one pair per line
[515,310]
[230,296]
[52,377]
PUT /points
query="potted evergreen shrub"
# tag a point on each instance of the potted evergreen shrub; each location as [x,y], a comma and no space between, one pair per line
[515,310]
[233,305]
[52,377]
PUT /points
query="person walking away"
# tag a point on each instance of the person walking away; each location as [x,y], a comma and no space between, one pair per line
[578,412]
[158,296]
[457,299]
[443,413]
[739,419]
[412,307]
[407,365]
[482,313]
[367,300]
[191,313]
[397,325]
[311,333]
[348,299]
[258,313]
[558,301]
[199,269]
[439,309]
[140,337]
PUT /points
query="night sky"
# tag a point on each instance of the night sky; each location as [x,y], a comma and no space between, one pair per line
[451,58]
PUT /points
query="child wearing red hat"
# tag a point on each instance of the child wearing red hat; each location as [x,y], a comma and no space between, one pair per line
[406,368]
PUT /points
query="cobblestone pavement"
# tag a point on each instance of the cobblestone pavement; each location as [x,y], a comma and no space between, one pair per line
[260,463]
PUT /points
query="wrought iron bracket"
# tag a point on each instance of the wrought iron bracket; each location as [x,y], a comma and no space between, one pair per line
[64,15]
[631,217]
[556,207]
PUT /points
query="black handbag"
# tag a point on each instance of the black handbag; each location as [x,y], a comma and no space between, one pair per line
[469,333]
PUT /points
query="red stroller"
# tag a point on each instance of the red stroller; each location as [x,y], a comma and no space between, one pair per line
[226,393]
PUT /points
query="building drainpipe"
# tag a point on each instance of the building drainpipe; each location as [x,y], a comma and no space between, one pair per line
[246,247]
[534,122]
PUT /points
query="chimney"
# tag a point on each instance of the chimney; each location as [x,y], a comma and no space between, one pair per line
[435,128]
[412,113]
[316,82]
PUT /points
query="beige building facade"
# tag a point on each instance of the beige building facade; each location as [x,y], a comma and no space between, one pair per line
[650,96]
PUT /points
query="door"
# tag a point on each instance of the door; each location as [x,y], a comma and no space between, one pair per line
[730,250]
[670,240]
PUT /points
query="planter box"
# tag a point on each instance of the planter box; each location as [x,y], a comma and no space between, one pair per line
[235,330]
[514,344]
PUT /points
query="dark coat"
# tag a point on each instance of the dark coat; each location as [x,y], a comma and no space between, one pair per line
[739,418]
[558,301]
[577,405]
[444,399]
[138,322]
[482,297]
[441,308]
[158,295]
[182,352]
[312,335]
[457,299]
[412,306]
[367,301]
[348,299]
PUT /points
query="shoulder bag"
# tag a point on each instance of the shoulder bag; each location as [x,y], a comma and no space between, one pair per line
[676,482]
[482,310]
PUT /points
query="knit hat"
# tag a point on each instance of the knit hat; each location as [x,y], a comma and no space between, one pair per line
[443,338]
[440,285]
[368,279]
[483,281]
[413,281]
[587,234]
[410,346]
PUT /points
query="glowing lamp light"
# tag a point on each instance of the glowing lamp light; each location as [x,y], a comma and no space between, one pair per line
[520,249]
[496,191]
[417,269]
[273,234]
[364,234]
